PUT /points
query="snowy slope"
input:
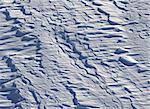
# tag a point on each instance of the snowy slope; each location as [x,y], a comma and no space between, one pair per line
[74,54]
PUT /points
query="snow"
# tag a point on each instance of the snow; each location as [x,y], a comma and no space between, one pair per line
[74,54]
[15,14]
[7,1]
[120,51]
[127,60]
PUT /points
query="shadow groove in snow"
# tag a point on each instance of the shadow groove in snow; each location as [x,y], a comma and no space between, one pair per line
[10,63]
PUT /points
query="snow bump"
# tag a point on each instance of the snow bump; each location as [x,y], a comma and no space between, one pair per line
[127,60]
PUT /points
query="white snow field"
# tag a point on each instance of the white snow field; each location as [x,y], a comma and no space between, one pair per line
[74,54]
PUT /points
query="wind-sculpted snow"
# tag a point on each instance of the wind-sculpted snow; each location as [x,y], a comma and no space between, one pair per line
[74,54]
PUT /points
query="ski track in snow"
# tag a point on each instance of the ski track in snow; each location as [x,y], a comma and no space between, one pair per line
[74,54]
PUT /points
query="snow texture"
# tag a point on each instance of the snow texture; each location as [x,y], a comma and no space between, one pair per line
[74,54]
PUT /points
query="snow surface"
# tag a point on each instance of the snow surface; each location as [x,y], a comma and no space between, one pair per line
[74,54]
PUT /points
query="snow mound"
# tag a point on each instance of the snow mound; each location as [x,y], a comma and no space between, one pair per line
[127,60]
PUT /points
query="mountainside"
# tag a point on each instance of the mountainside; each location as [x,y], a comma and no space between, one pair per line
[74,54]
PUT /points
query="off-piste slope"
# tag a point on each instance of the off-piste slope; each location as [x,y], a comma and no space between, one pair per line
[74,54]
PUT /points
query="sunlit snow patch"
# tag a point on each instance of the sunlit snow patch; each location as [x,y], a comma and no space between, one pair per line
[7,1]
[127,60]
[14,13]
